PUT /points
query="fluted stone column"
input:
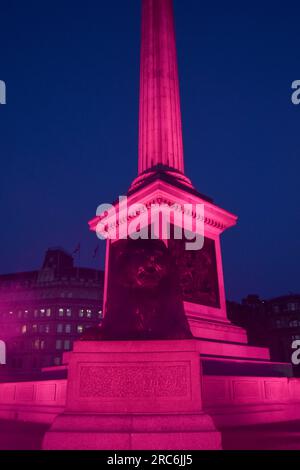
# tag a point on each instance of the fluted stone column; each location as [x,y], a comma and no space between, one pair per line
[160,127]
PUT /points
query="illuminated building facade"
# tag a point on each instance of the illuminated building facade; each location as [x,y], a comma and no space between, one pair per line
[274,323]
[42,312]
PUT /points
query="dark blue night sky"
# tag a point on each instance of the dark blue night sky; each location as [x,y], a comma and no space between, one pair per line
[68,134]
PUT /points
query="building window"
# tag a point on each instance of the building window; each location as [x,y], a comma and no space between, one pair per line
[80,329]
[44,328]
[42,344]
[292,307]
[61,312]
[81,313]
[68,328]
[100,314]
[67,345]
[43,311]
[58,344]
[48,312]
[69,312]
[36,344]
[34,328]
[24,329]
[60,328]
[57,361]
[89,313]
[35,314]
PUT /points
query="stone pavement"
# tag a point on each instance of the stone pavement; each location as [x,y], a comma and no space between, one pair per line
[282,436]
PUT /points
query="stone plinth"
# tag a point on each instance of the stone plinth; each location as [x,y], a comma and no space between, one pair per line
[134,396]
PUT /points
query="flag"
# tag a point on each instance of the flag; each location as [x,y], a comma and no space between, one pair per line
[96,250]
[77,249]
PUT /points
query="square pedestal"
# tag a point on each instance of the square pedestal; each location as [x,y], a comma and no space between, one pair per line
[134,396]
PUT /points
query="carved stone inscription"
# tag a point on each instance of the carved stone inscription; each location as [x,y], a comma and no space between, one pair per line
[134,380]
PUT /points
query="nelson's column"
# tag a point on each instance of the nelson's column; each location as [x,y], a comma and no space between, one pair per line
[166,366]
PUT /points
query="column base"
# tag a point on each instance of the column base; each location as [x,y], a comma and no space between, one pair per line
[134,395]
[135,432]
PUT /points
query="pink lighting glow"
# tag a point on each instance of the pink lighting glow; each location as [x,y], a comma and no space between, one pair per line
[160,116]
[166,369]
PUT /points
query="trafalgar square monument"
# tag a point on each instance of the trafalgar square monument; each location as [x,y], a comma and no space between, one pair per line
[137,381]
[166,370]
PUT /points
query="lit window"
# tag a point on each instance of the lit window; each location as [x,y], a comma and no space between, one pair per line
[24,329]
[34,328]
[89,313]
[43,311]
[81,313]
[36,344]
[42,344]
[292,307]
[60,328]
[67,345]
[100,314]
[61,312]
[68,328]
[47,328]
[69,312]
[48,312]
[58,344]
[79,329]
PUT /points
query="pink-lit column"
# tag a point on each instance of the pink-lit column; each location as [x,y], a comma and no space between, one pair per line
[160,127]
